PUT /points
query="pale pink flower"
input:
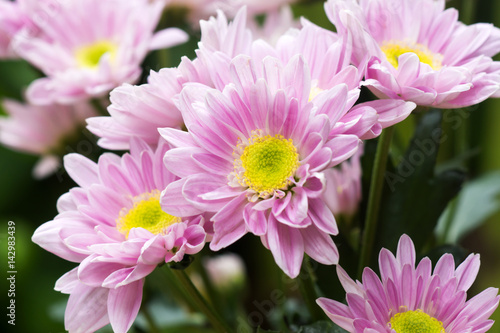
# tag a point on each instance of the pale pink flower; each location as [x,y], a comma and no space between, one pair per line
[328,57]
[421,52]
[407,299]
[275,25]
[12,19]
[114,227]
[203,9]
[90,47]
[254,155]
[42,130]
[141,110]
[343,186]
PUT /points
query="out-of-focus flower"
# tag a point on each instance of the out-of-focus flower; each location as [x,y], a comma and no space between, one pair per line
[42,130]
[343,186]
[275,25]
[203,9]
[15,18]
[114,227]
[254,155]
[421,52]
[90,47]
[226,271]
[409,299]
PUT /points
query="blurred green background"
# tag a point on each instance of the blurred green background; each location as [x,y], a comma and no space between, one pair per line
[30,202]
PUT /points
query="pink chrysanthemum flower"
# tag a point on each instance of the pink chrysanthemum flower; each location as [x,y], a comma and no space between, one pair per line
[343,186]
[92,47]
[328,57]
[141,110]
[408,299]
[421,52]
[254,155]
[202,9]
[42,130]
[114,227]
[12,20]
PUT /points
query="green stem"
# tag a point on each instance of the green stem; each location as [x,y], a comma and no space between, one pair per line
[307,285]
[374,197]
[213,296]
[201,303]
[449,219]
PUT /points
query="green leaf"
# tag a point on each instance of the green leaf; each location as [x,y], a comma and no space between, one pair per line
[322,327]
[414,196]
[478,200]
[16,76]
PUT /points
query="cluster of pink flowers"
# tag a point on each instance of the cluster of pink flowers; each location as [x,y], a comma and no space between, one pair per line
[244,139]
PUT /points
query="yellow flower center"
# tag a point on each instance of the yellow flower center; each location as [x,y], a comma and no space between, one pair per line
[266,164]
[146,213]
[415,322]
[315,91]
[88,56]
[393,50]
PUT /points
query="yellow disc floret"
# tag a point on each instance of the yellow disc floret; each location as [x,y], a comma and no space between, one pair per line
[88,56]
[393,50]
[415,322]
[146,213]
[266,164]
[315,91]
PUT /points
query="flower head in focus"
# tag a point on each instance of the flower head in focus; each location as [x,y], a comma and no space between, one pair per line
[420,51]
[114,227]
[90,47]
[413,299]
[42,130]
[254,155]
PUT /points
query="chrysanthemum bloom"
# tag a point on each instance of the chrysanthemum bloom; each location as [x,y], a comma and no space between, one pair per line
[92,47]
[343,186]
[114,227]
[408,299]
[328,57]
[203,9]
[422,53]
[254,155]
[12,20]
[141,110]
[43,131]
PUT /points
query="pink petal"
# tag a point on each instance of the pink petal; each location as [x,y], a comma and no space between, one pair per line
[86,310]
[123,305]
[167,38]
[286,245]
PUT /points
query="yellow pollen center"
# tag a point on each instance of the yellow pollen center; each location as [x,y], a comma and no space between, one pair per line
[88,56]
[393,50]
[146,213]
[415,322]
[315,91]
[266,164]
